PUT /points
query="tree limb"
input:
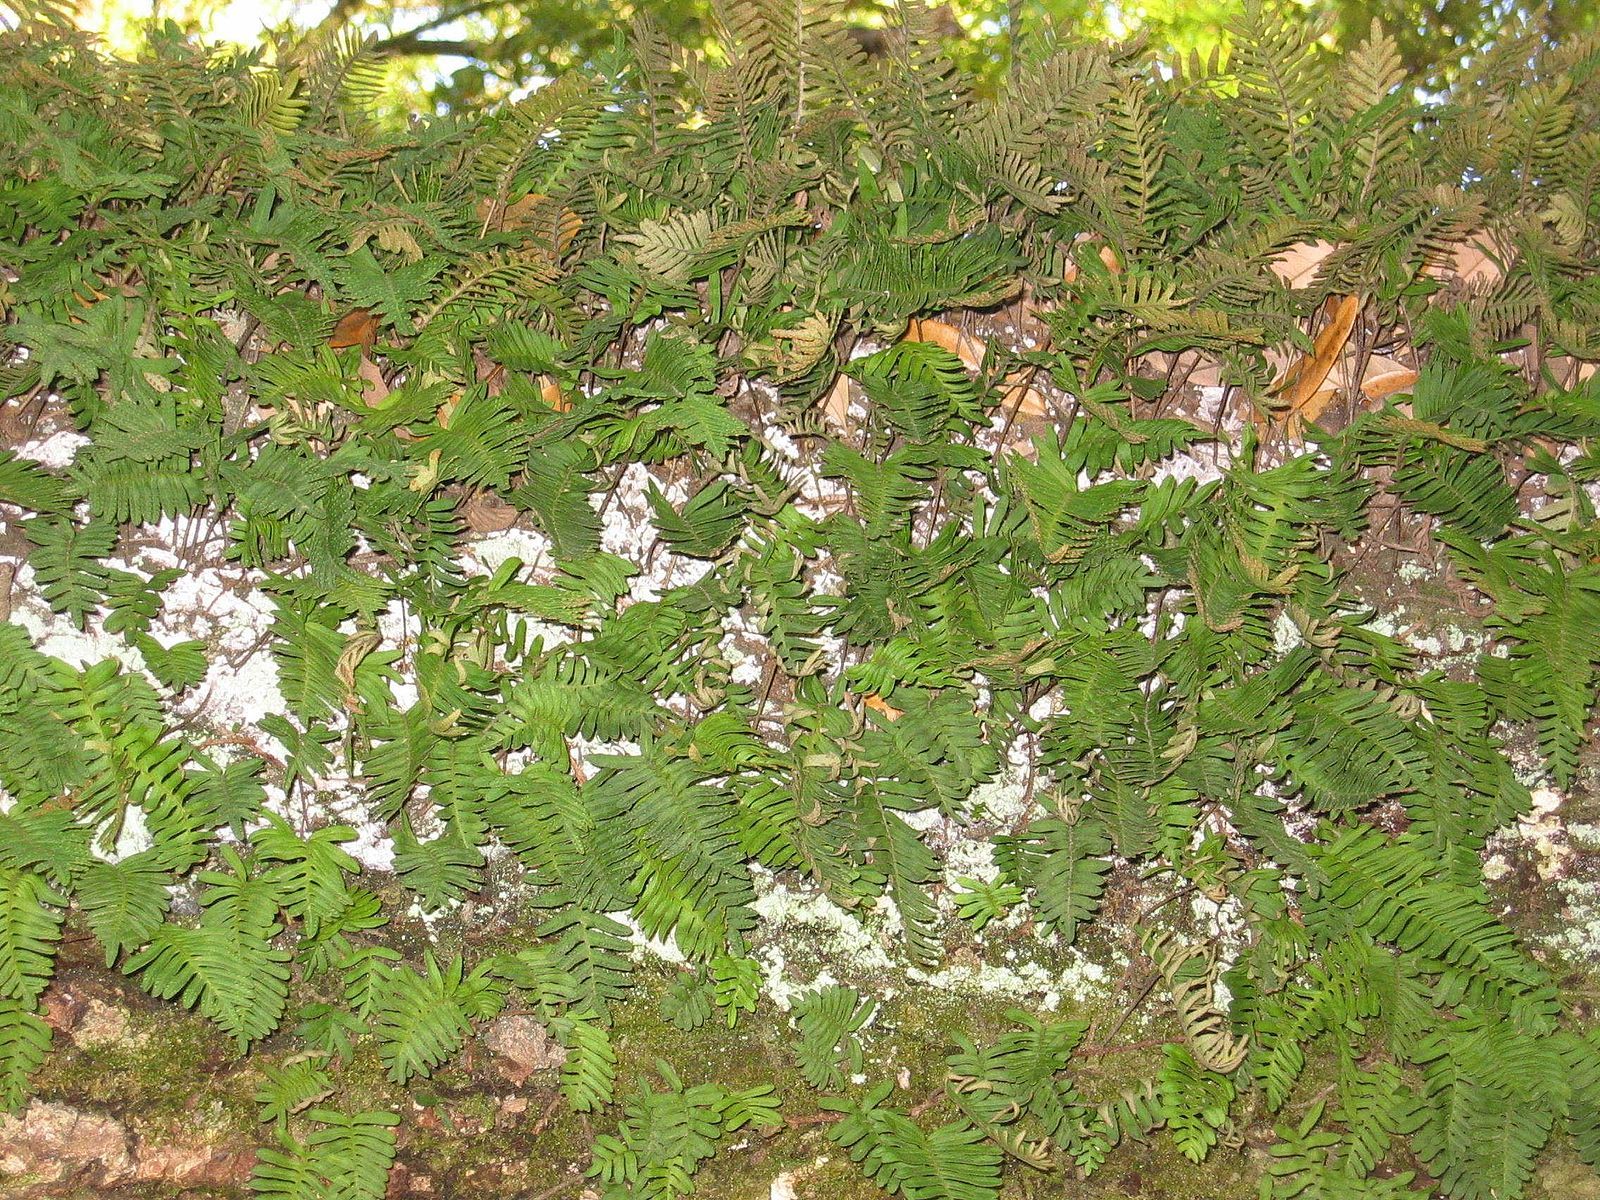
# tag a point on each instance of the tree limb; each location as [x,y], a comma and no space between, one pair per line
[406,44]
[411,40]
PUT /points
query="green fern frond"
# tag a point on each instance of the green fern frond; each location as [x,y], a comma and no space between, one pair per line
[30,928]
[828,1021]
[1063,863]
[124,902]
[24,1042]
[421,1018]
[347,1157]
[291,1088]
[588,1077]
[954,1162]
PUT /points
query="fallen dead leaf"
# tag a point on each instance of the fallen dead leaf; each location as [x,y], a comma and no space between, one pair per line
[1384,377]
[1016,390]
[550,392]
[374,391]
[1301,384]
[513,215]
[947,337]
[1473,260]
[1108,256]
[836,404]
[358,327]
[487,513]
[1297,266]
[881,706]
[537,212]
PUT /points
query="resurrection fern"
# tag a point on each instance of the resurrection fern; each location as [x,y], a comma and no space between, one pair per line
[1063,862]
[828,1020]
[348,1156]
[790,513]
[227,967]
[665,1135]
[1212,1045]
[67,564]
[291,1089]
[29,931]
[24,1042]
[422,1016]
[953,1162]
[588,1077]
[124,902]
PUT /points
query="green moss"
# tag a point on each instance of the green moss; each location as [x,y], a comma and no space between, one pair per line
[172,1074]
[1563,1176]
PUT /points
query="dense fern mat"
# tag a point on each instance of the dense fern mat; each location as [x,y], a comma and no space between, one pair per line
[339,347]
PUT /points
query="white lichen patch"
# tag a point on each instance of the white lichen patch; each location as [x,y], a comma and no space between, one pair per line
[487,554]
[1285,634]
[241,683]
[804,924]
[779,983]
[55,452]
[1564,857]
[1008,800]
[340,801]
[1577,936]
[55,634]
[970,858]
[1541,834]
[662,949]
[744,649]
[1025,981]
[628,531]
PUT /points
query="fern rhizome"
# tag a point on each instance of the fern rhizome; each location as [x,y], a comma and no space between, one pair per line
[909,390]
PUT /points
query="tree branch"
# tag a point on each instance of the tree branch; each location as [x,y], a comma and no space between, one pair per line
[340,15]
[411,40]
[407,44]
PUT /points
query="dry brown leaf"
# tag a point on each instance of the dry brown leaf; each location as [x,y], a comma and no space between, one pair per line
[1108,256]
[567,228]
[836,404]
[1297,266]
[879,705]
[533,211]
[947,337]
[1473,260]
[1025,400]
[1017,392]
[374,391]
[518,214]
[358,327]
[1193,368]
[550,392]
[1301,384]
[487,513]
[1384,377]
